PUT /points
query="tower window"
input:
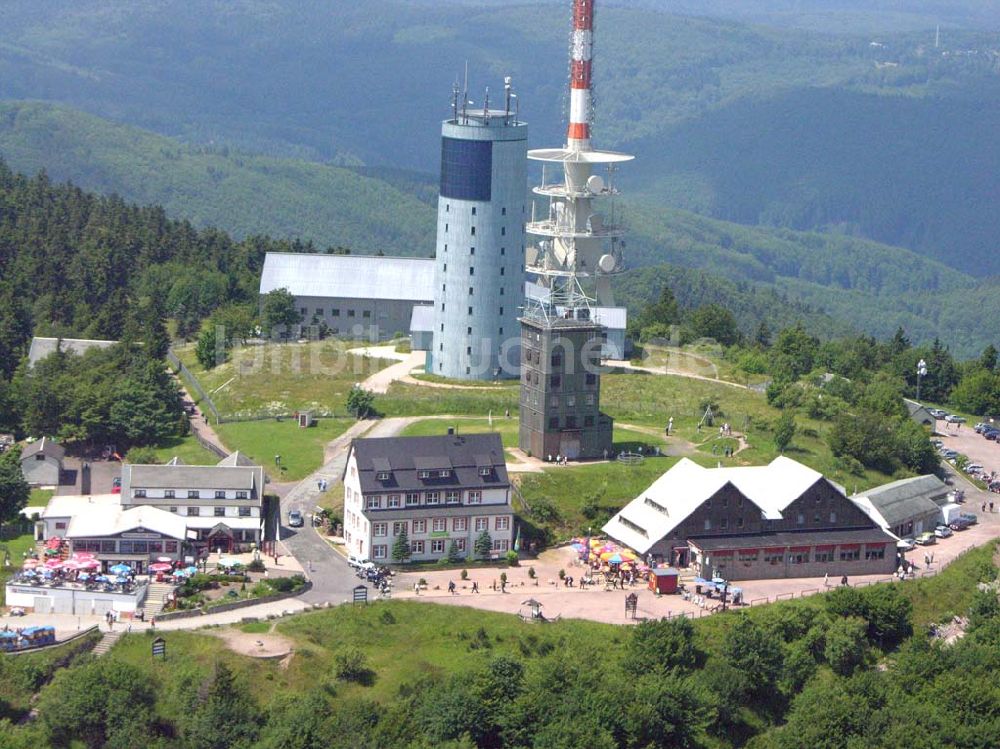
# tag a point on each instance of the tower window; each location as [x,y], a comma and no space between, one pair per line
[442,306]
[444,286]
[447,207]
[470,291]
[440,347]
[468,370]
[503,231]
[472,270]
[501,331]
[446,248]
[503,251]
[501,310]
[442,327]
[468,350]
[472,250]
[503,211]
[470,310]
[446,227]
[446,267]
[473,210]
[473,231]
[502,271]
[501,291]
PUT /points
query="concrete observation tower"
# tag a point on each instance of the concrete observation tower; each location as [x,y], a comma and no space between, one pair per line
[479,273]
[574,251]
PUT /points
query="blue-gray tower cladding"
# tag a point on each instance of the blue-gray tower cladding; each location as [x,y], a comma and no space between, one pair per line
[479,275]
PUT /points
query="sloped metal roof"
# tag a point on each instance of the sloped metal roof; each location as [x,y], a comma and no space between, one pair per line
[349,276]
[906,499]
[42,347]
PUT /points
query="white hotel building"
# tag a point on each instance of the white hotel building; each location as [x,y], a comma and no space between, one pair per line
[439,489]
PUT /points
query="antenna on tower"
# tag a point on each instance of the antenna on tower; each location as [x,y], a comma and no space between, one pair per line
[937,36]
[465,94]
[486,103]
[506,95]
[454,100]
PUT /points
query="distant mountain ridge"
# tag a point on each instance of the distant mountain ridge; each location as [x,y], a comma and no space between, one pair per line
[833,283]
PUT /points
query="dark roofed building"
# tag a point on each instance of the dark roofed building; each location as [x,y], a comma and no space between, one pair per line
[438,489]
[41,462]
[907,507]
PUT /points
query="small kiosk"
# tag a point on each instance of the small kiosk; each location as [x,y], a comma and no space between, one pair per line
[663,580]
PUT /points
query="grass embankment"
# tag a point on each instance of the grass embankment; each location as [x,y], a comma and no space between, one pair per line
[507,428]
[280,378]
[301,450]
[404,399]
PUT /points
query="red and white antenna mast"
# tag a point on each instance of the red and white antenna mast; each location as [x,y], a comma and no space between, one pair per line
[580,68]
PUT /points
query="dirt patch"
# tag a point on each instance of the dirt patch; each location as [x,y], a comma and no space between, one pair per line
[268,645]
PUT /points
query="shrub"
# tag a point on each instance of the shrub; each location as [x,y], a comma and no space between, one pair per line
[142,455]
[464,574]
[562,574]
[512,558]
[257,565]
[531,572]
[352,665]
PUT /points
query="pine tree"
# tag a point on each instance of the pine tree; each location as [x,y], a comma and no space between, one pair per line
[484,545]
[401,547]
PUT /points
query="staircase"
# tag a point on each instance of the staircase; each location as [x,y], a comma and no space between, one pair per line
[108,641]
[156,597]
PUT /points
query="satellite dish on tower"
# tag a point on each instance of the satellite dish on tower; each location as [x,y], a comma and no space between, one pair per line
[595,184]
[607,263]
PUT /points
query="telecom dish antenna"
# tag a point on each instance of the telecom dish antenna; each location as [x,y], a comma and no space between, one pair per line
[595,184]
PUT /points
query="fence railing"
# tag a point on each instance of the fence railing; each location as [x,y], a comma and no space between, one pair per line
[192,382]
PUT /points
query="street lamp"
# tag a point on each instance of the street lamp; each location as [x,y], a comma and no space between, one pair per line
[921,372]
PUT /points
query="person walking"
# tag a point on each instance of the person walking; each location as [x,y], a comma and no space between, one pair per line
[475,587]
[451,587]
[826,580]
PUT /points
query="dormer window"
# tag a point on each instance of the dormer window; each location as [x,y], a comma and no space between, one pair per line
[444,473]
[485,470]
[382,475]
[424,474]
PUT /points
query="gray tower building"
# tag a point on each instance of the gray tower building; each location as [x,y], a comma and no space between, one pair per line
[479,274]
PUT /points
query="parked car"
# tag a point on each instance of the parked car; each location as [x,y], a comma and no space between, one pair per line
[937,413]
[949,453]
[953,419]
[943,531]
[992,434]
[972,519]
[295,519]
[959,524]
[926,538]
[360,564]
[905,544]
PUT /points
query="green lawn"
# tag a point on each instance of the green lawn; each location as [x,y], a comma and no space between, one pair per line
[187,449]
[301,450]
[283,378]
[508,428]
[418,400]
[15,548]
[950,593]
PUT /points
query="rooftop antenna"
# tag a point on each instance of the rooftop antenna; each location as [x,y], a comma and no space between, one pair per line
[937,36]
[486,103]
[465,95]
[506,95]
[454,100]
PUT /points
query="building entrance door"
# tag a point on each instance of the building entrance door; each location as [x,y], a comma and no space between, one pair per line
[570,446]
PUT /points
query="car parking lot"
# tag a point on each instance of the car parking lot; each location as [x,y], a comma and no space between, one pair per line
[983,453]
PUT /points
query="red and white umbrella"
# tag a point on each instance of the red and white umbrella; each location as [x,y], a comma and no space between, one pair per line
[160,567]
[30,564]
[84,555]
[54,564]
[88,564]
[71,564]
[166,560]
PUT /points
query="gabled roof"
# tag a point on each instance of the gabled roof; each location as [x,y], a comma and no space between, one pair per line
[686,486]
[906,499]
[230,477]
[349,276]
[42,347]
[46,447]
[464,454]
[237,459]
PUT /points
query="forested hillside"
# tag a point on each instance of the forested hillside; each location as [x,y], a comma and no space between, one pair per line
[241,193]
[833,283]
[891,140]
